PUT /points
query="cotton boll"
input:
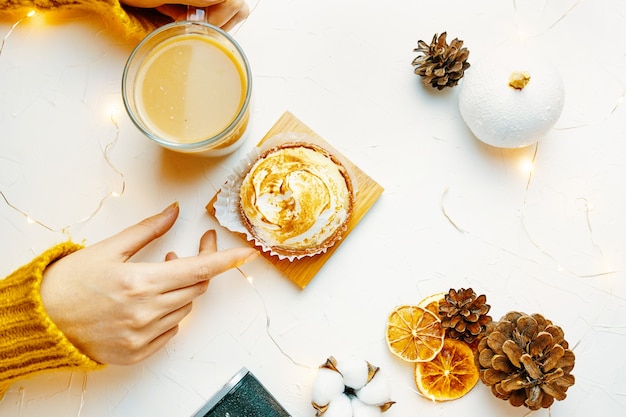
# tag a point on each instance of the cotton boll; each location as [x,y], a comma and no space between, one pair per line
[360,409]
[327,385]
[350,387]
[376,392]
[339,406]
[354,370]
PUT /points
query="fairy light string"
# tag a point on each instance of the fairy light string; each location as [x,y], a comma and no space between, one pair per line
[105,154]
[250,281]
[13,27]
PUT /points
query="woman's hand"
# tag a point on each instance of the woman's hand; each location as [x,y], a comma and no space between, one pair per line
[221,13]
[121,312]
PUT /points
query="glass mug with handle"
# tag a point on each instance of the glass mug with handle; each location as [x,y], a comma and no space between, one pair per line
[188,85]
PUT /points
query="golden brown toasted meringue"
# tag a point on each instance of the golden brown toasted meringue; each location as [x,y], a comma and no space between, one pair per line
[296,199]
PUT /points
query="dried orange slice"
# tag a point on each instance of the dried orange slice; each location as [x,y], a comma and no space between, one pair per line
[414,333]
[431,303]
[450,375]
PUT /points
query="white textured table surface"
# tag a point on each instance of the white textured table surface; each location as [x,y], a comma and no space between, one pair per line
[538,230]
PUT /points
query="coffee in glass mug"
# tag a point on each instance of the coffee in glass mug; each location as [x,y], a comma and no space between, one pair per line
[187,86]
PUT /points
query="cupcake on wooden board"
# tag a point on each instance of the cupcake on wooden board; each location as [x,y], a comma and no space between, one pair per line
[294,198]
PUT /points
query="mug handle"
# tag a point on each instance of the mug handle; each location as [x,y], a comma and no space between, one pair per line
[198,14]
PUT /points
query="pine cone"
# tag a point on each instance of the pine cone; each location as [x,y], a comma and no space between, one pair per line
[441,65]
[464,315]
[526,360]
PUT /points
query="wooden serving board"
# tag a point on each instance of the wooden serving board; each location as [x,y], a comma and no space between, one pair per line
[302,271]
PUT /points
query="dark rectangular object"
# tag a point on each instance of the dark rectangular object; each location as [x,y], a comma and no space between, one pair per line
[242,396]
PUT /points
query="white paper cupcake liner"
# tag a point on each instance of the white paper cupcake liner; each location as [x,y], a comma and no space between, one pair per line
[226,205]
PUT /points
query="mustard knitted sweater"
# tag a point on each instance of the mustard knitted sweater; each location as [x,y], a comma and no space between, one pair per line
[29,341]
[134,23]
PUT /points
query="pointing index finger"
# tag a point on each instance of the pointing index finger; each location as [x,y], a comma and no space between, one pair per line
[183,272]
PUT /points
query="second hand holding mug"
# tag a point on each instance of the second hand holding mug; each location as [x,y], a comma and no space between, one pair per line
[188,85]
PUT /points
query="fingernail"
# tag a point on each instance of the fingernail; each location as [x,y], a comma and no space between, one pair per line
[173,206]
[253,255]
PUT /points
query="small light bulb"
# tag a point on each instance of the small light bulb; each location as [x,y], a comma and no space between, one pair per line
[526,166]
[250,280]
[31,13]
[113,111]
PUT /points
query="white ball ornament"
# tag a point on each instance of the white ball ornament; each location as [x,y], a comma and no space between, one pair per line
[511,99]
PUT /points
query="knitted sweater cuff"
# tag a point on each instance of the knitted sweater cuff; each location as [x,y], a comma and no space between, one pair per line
[29,341]
[134,22]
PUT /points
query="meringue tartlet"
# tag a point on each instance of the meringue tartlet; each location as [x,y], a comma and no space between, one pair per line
[296,199]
